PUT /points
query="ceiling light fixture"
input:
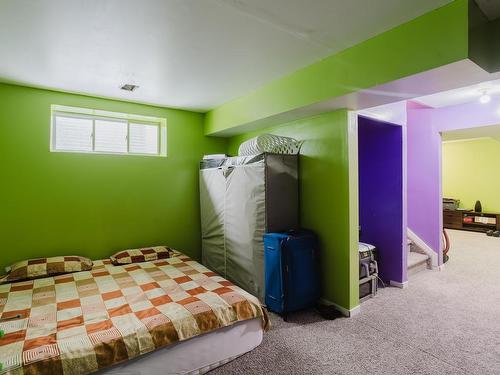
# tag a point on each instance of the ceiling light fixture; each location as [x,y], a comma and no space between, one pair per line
[485,98]
[129,87]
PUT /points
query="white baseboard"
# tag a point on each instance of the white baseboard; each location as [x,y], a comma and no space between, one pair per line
[397,284]
[433,256]
[355,311]
[438,268]
[348,313]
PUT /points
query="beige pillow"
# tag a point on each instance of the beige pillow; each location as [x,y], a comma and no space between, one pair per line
[43,267]
[147,254]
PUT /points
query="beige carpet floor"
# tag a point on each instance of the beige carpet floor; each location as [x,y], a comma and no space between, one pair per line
[445,322]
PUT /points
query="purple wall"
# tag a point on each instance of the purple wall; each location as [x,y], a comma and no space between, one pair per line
[381,201]
[424,177]
[424,160]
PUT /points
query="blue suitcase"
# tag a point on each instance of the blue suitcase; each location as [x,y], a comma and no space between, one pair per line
[292,277]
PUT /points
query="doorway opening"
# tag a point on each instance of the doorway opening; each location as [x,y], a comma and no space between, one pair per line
[382,224]
[449,147]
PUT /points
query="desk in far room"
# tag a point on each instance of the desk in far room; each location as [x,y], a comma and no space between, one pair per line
[470,220]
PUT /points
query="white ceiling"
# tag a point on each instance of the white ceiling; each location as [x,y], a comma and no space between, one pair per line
[462,95]
[394,113]
[492,131]
[193,54]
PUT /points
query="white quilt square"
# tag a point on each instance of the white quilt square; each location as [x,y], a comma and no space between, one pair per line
[15,325]
[142,305]
[153,293]
[106,284]
[10,355]
[131,290]
[69,313]
[66,292]
[40,283]
[41,331]
[115,302]
[18,301]
[76,331]
[83,275]
[189,285]
[179,296]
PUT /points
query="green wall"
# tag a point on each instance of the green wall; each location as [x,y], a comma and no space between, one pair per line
[435,39]
[324,194]
[93,205]
[470,172]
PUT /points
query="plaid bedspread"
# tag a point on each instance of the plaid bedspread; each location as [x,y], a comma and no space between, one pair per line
[82,322]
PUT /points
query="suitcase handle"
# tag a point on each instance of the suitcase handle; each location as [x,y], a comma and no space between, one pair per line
[284,257]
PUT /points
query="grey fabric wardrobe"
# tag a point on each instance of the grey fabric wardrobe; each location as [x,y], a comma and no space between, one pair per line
[241,198]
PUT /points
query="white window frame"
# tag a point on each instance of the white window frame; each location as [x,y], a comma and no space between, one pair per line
[94,114]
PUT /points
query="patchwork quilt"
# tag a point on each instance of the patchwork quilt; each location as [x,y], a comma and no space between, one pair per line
[81,322]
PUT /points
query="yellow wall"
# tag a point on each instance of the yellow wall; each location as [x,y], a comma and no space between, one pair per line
[471,171]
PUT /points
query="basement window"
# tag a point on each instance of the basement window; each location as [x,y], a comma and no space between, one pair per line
[100,132]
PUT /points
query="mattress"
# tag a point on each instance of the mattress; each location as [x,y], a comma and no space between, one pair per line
[197,355]
[83,322]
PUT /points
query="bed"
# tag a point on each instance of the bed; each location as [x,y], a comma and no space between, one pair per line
[171,316]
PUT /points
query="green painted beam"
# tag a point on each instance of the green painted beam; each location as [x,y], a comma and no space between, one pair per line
[435,39]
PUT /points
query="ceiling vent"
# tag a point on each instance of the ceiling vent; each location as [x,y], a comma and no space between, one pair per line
[129,87]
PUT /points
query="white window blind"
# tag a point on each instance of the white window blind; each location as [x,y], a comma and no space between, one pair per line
[144,139]
[73,134]
[93,131]
[110,136]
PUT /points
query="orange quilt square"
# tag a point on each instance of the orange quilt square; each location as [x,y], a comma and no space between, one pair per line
[182,279]
[185,301]
[196,291]
[100,326]
[179,265]
[39,341]
[14,313]
[21,286]
[162,300]
[71,304]
[222,290]
[150,286]
[110,295]
[132,268]
[63,279]
[11,337]
[147,313]
[120,310]
[70,323]
[100,273]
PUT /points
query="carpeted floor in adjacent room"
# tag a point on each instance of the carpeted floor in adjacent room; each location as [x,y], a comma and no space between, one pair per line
[445,322]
